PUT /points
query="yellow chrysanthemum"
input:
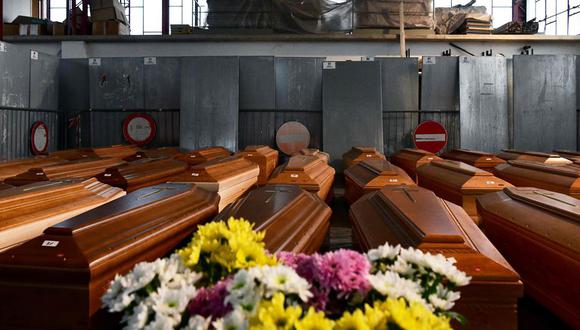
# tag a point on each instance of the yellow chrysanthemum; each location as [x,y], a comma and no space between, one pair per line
[376,318]
[314,320]
[354,321]
[272,314]
[413,316]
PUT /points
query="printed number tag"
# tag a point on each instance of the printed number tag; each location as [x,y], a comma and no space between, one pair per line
[293,175]
[194,174]
[393,180]
[50,243]
[489,182]
[329,65]
[150,60]
[369,156]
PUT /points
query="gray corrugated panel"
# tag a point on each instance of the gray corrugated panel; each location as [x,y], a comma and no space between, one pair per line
[312,121]
[256,127]
[298,83]
[209,102]
[483,102]
[162,83]
[15,73]
[400,79]
[107,128]
[510,83]
[398,128]
[167,128]
[544,102]
[74,85]
[352,109]
[117,83]
[578,82]
[257,83]
[85,130]
[440,83]
[449,120]
[44,82]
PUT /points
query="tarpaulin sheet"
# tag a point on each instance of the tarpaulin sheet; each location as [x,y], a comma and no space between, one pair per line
[312,16]
[254,14]
[449,20]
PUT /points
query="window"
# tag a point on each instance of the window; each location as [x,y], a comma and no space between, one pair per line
[555,17]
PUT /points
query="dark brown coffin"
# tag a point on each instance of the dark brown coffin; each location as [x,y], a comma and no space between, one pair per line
[521,173]
[315,152]
[83,169]
[540,157]
[26,211]
[74,154]
[10,168]
[157,153]
[116,151]
[358,154]
[483,160]
[459,183]
[59,287]
[308,172]
[294,220]
[265,157]
[371,175]
[4,186]
[571,155]
[140,174]
[203,155]
[409,159]
[230,177]
[538,231]
[415,217]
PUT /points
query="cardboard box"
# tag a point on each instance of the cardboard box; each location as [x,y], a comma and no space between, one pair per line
[56,28]
[110,28]
[11,29]
[111,13]
[32,30]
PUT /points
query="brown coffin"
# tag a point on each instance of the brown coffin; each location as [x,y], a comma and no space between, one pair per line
[203,155]
[26,211]
[540,157]
[74,154]
[116,151]
[537,231]
[57,279]
[230,177]
[157,153]
[409,159]
[415,217]
[571,155]
[294,220]
[315,152]
[358,154]
[11,168]
[521,173]
[83,169]
[308,172]
[265,157]
[4,186]
[140,174]
[459,183]
[483,160]
[371,175]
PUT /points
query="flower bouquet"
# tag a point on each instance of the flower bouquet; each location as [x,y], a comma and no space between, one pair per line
[225,279]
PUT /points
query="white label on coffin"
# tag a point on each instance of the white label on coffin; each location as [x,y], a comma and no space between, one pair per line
[50,243]
[429,137]
[139,129]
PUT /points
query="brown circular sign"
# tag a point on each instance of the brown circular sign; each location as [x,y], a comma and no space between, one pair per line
[292,137]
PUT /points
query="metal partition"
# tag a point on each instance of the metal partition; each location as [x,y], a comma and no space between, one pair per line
[544,102]
[161,82]
[74,85]
[298,84]
[483,102]
[257,83]
[15,71]
[44,69]
[116,83]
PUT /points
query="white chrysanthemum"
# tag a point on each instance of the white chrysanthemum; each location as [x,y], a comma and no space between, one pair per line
[243,281]
[284,279]
[402,267]
[198,322]
[392,285]
[172,302]
[138,317]
[385,251]
[117,297]
[443,299]
[414,256]
[446,268]
[235,320]
[162,322]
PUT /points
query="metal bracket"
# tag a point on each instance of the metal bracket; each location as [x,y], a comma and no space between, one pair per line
[408,52]
[527,50]
[446,52]
[487,53]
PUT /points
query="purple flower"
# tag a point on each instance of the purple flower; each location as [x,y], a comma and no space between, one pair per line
[211,301]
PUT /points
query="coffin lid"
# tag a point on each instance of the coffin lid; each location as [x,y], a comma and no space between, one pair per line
[84,163]
[74,154]
[474,152]
[417,151]
[531,153]
[118,150]
[258,206]
[460,167]
[380,167]
[550,201]
[559,170]
[365,149]
[257,148]
[220,168]
[4,186]
[302,163]
[31,160]
[568,152]
[15,193]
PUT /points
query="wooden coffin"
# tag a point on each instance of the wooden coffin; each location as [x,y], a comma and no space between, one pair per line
[120,151]
[571,155]
[140,174]
[84,169]
[371,175]
[26,211]
[540,157]
[203,155]
[538,232]
[315,152]
[74,154]
[459,183]
[358,154]
[57,279]
[409,159]
[415,217]
[308,172]
[157,153]
[4,186]
[483,160]
[11,168]
[230,177]
[294,220]
[521,173]
[265,157]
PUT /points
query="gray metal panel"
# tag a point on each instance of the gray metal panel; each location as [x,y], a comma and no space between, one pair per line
[256,127]
[209,102]
[449,120]
[44,82]
[14,137]
[117,83]
[400,79]
[398,128]
[510,76]
[544,102]
[257,83]
[440,84]
[352,110]
[74,85]
[298,84]
[162,83]
[483,100]
[15,73]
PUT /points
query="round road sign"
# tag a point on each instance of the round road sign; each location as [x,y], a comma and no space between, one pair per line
[139,129]
[39,138]
[431,136]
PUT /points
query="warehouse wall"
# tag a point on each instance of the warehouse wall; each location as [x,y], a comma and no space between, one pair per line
[14,8]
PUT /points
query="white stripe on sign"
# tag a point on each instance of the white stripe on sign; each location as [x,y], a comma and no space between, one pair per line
[429,137]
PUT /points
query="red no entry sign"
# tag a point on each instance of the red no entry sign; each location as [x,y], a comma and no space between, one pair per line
[430,136]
